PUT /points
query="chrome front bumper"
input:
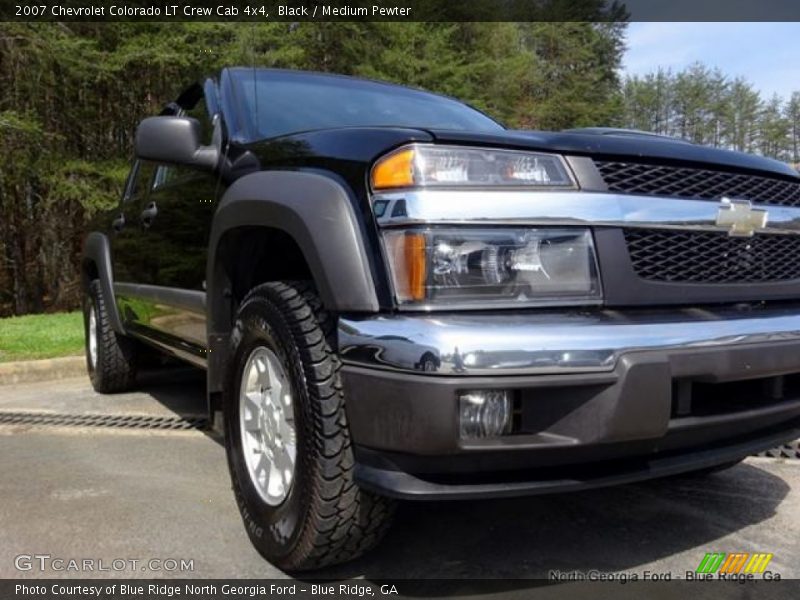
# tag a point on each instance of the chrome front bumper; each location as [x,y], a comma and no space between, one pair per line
[550,342]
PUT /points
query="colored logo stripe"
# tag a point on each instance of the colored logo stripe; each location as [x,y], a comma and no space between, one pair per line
[758,563]
[734,562]
[711,562]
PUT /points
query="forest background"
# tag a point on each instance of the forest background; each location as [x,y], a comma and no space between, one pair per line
[71,95]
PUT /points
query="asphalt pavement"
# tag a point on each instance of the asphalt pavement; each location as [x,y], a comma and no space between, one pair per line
[136,495]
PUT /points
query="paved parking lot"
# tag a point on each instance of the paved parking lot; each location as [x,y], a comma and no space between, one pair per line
[102,493]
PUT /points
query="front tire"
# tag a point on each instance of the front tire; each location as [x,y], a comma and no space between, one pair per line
[284,404]
[110,357]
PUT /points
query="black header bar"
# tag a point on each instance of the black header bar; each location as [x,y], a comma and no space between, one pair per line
[399,10]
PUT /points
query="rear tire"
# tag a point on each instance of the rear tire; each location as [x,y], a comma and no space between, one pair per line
[315,515]
[110,357]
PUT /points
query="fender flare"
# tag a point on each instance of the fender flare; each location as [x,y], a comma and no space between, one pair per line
[317,212]
[97,250]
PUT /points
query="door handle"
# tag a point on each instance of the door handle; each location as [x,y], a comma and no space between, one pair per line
[118,223]
[148,214]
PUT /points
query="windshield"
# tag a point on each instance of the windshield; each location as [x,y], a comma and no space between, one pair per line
[278,103]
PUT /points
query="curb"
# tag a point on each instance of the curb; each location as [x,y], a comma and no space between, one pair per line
[42,370]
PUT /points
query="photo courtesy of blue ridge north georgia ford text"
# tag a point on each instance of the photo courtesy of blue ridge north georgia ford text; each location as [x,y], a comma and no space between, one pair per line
[167,590]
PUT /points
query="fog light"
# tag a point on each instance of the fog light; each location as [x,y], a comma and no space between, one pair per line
[485,413]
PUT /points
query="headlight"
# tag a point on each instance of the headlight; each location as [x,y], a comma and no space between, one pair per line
[475,268]
[430,166]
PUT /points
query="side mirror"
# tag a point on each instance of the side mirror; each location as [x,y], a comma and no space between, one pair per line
[174,140]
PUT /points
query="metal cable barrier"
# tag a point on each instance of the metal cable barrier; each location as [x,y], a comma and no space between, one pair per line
[97,420]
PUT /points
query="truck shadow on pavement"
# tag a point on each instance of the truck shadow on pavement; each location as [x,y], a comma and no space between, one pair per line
[180,389]
[617,529]
[610,530]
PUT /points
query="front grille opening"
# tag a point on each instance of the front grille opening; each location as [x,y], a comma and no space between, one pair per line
[516,414]
[712,258]
[558,410]
[689,182]
[701,399]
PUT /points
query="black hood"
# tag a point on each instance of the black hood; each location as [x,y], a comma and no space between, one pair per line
[621,145]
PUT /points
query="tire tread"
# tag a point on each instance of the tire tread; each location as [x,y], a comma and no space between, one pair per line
[116,365]
[343,521]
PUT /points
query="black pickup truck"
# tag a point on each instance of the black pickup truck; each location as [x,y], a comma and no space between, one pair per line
[396,297]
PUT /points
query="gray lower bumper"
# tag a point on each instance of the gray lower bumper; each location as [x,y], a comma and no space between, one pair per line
[549,342]
[406,486]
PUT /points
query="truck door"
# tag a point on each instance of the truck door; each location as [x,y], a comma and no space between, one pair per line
[173,227]
[131,264]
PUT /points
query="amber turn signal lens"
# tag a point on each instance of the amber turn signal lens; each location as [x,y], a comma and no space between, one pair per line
[394,171]
[415,261]
[407,258]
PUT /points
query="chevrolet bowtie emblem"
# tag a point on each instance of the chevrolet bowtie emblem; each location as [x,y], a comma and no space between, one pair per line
[742,219]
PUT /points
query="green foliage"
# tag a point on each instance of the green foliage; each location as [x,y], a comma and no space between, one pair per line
[704,106]
[41,336]
[93,185]
[577,81]
[13,124]
[71,95]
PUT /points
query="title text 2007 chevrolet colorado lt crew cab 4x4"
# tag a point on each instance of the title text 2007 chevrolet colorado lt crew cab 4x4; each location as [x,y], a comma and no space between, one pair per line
[396,297]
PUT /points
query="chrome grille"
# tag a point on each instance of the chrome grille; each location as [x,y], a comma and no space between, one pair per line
[710,257]
[686,182]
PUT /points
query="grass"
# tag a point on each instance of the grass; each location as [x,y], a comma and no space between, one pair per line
[41,336]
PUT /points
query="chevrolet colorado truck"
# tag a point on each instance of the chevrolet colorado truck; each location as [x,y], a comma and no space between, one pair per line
[395,297]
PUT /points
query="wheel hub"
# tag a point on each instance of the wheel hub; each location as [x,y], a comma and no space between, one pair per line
[266,415]
[92,337]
